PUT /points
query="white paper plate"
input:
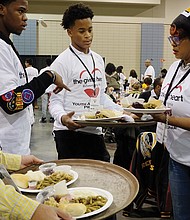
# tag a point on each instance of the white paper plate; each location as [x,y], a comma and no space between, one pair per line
[97,191]
[72,172]
[80,192]
[147,111]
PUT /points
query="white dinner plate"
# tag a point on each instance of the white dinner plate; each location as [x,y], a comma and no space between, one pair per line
[80,192]
[96,191]
[101,119]
[147,111]
[72,172]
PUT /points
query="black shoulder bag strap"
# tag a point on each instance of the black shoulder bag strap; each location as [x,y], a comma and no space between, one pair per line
[8,41]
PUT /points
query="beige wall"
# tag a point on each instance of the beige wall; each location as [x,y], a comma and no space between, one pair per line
[117,38]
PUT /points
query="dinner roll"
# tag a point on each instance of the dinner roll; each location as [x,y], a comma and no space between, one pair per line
[20,180]
[74,209]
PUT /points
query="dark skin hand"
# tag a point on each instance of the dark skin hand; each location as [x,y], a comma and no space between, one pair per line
[69,123]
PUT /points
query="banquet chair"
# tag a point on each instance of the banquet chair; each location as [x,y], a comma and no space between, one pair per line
[150,166]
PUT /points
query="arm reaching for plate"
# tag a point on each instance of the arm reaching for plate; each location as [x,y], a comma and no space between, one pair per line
[28,160]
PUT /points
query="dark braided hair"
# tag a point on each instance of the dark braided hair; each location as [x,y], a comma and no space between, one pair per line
[76,12]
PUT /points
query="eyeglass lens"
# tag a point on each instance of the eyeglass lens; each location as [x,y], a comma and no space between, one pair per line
[174,40]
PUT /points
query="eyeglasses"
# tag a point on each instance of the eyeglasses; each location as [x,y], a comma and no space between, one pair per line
[174,40]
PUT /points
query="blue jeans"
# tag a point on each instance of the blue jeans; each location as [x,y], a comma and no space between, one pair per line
[179,176]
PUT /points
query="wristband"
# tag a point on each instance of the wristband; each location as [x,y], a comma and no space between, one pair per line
[53,75]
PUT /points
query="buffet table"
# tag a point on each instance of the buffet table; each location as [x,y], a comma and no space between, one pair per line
[93,173]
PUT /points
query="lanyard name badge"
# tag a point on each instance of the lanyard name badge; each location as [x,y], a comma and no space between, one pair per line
[162,128]
[94,101]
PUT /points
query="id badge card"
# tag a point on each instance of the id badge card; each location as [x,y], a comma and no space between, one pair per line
[161,132]
[94,103]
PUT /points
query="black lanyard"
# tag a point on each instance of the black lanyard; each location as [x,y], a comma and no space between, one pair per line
[8,41]
[92,78]
[170,89]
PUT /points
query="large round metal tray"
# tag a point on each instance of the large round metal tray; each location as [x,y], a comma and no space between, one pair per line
[93,173]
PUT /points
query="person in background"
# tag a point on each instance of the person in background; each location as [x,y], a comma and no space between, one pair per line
[147,84]
[163,73]
[84,72]
[15,93]
[17,206]
[136,88]
[149,72]
[122,77]
[31,73]
[46,95]
[112,77]
[173,129]
[155,92]
[110,93]
[132,78]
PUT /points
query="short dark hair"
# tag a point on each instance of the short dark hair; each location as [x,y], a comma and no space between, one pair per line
[29,60]
[163,72]
[119,69]
[76,12]
[6,2]
[110,68]
[157,82]
[148,80]
[48,61]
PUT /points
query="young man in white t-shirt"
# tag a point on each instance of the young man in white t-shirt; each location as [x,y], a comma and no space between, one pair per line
[84,72]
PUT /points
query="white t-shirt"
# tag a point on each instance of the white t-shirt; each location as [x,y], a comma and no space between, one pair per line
[150,72]
[178,139]
[76,77]
[122,78]
[15,129]
[31,72]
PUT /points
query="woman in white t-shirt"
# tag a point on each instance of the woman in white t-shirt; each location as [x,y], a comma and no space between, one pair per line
[174,129]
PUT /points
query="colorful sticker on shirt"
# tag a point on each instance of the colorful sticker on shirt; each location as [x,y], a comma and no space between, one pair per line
[27,96]
[7,96]
[16,103]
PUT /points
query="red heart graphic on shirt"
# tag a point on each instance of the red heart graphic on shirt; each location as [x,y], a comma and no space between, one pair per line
[91,92]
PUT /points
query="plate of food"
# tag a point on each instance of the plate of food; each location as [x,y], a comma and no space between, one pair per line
[151,107]
[80,202]
[101,115]
[36,181]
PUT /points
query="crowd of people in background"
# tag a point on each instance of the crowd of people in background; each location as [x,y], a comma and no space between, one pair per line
[118,85]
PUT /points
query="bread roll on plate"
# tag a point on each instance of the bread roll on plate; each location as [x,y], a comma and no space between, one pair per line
[20,180]
[74,209]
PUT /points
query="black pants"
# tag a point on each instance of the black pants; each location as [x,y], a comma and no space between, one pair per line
[125,147]
[81,145]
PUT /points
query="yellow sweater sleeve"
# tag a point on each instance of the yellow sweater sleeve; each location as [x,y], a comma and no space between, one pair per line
[11,161]
[14,205]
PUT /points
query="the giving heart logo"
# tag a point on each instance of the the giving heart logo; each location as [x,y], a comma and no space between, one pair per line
[89,91]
